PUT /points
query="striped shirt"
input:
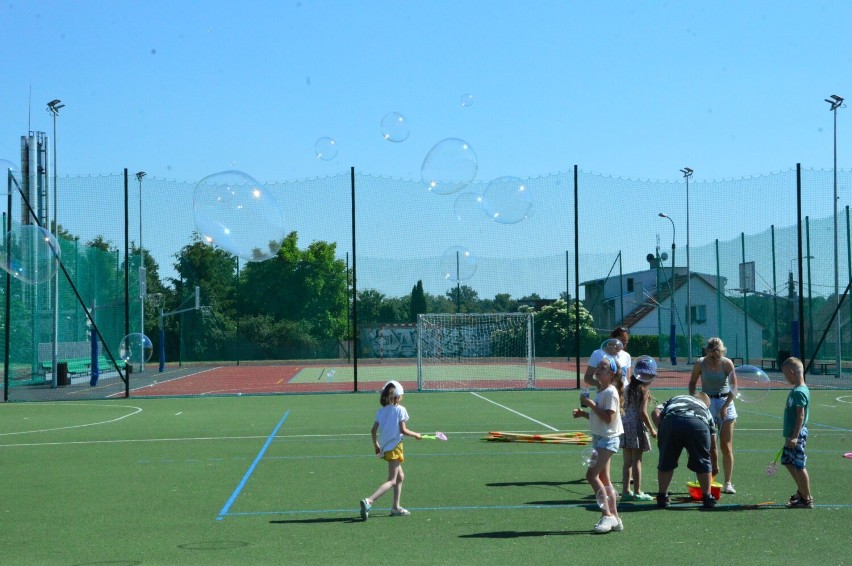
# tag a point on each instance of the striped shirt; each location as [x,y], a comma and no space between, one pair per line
[687,406]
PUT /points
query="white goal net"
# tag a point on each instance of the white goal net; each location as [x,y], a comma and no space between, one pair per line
[475,351]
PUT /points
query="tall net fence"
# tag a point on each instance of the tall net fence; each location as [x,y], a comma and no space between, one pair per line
[336,308]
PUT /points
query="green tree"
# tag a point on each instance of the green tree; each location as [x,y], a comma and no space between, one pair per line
[465,298]
[418,302]
[556,329]
[308,285]
[214,271]
[370,304]
[502,302]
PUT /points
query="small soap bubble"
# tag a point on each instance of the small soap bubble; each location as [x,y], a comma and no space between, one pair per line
[394,127]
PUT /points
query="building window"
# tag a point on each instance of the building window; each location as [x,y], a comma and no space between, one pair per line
[629,284]
[698,313]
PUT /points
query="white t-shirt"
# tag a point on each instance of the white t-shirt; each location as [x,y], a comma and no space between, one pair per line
[389,418]
[623,359]
[606,400]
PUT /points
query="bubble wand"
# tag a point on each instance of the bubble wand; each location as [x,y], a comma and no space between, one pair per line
[772,468]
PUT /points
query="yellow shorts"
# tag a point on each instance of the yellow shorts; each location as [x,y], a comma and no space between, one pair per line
[395,454]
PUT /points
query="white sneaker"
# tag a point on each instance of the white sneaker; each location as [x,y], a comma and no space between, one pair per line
[618,526]
[729,488]
[605,524]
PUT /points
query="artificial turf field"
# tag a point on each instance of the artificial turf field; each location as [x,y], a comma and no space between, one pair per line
[277,479]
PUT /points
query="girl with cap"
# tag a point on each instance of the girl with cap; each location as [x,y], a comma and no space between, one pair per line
[388,430]
[637,427]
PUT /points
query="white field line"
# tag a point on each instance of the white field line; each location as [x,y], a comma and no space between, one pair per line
[514,411]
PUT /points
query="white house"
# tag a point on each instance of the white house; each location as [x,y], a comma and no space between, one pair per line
[641,301]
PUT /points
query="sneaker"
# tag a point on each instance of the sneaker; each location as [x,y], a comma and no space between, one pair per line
[801,503]
[663,500]
[628,496]
[619,526]
[708,502]
[793,498]
[605,524]
[643,497]
[729,488]
[365,509]
[400,512]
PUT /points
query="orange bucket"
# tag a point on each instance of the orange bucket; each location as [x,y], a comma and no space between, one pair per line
[697,495]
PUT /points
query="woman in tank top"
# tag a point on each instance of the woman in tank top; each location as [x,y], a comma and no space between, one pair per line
[718,382]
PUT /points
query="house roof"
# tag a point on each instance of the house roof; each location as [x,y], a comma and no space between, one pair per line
[663,294]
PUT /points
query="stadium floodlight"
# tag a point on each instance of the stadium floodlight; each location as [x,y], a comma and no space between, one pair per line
[687,173]
[672,327]
[836,102]
[53,107]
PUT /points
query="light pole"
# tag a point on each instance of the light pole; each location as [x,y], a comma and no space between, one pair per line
[53,107]
[143,278]
[836,102]
[687,173]
[672,328]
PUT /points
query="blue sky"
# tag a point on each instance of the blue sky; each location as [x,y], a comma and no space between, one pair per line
[633,89]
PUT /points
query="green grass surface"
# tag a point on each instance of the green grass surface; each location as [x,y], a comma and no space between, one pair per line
[205,481]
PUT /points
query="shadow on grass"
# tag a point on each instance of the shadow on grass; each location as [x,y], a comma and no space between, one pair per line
[524,534]
[536,483]
[318,520]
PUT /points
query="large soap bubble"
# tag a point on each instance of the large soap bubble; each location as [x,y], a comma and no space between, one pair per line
[32,255]
[237,214]
[135,348]
[449,166]
[506,200]
[458,264]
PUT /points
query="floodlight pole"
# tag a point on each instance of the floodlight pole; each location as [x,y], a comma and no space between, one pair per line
[143,276]
[836,102]
[53,107]
[673,328]
[687,173]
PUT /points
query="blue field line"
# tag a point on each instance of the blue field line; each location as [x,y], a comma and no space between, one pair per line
[650,507]
[260,454]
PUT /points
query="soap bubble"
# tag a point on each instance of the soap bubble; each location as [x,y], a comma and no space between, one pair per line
[325,148]
[458,264]
[753,384]
[449,166]
[135,348]
[468,207]
[506,200]
[33,253]
[237,214]
[394,127]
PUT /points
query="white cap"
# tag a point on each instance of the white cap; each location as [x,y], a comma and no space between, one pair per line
[398,390]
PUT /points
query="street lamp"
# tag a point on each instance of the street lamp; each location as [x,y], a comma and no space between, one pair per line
[143,279]
[687,173]
[672,335]
[836,102]
[53,107]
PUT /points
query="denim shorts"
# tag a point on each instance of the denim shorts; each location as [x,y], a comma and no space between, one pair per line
[716,407]
[796,456]
[610,443]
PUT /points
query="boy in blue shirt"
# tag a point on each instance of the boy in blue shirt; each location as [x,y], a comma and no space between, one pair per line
[796,412]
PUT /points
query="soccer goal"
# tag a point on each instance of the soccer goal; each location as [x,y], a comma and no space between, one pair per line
[475,351]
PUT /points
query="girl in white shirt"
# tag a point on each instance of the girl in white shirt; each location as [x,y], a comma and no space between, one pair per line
[605,426]
[390,422]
